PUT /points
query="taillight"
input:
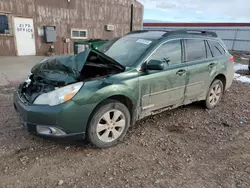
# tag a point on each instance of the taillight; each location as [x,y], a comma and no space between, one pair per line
[232,59]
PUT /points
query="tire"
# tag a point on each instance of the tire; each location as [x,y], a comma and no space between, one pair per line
[108,124]
[214,94]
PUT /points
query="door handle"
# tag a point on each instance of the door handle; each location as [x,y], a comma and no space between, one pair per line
[211,65]
[181,72]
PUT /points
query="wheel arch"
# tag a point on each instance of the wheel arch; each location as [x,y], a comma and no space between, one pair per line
[124,99]
[222,78]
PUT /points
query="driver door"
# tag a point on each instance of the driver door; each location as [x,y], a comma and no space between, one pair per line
[162,89]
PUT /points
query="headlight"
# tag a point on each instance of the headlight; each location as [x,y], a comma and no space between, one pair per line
[59,96]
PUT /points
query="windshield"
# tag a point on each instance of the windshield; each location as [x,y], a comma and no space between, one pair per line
[126,50]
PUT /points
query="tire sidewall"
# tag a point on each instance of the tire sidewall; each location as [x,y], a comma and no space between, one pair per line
[98,113]
[208,105]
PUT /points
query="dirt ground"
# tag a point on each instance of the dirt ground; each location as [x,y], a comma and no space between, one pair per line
[189,147]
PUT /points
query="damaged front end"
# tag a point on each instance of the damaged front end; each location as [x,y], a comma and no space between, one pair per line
[60,78]
[32,88]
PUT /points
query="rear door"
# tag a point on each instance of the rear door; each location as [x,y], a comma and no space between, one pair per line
[199,63]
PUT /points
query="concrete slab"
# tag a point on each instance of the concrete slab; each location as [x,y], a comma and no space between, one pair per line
[16,69]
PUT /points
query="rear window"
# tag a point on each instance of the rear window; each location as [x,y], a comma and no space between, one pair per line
[216,48]
[195,49]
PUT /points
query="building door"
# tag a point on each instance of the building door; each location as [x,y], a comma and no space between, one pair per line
[24,35]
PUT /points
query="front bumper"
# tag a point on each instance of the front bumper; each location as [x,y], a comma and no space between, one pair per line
[70,118]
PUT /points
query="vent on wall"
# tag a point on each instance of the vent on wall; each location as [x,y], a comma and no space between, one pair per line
[110,27]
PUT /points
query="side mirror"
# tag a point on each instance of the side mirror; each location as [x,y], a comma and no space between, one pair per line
[155,65]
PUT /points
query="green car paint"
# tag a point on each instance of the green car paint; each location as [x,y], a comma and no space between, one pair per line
[144,92]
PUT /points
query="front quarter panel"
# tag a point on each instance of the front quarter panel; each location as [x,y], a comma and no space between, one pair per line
[94,92]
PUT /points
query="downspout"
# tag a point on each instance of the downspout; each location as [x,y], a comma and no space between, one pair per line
[142,22]
[132,17]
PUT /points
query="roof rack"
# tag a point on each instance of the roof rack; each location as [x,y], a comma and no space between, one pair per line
[144,31]
[193,32]
[137,31]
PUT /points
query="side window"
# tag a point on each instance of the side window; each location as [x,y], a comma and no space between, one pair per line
[208,50]
[169,53]
[195,49]
[216,48]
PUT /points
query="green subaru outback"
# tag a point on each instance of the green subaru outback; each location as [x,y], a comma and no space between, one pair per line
[98,94]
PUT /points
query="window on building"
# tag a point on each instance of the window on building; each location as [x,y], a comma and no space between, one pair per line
[169,53]
[79,34]
[4,25]
[216,48]
[195,49]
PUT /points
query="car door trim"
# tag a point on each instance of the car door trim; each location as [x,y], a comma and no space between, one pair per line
[164,91]
[148,107]
[196,83]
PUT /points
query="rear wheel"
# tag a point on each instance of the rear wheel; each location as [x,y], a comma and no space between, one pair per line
[214,94]
[109,124]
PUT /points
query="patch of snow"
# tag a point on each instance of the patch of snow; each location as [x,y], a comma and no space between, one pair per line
[244,58]
[238,77]
[238,67]
[241,78]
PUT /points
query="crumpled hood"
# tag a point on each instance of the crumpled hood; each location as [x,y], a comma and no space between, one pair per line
[61,68]
[66,69]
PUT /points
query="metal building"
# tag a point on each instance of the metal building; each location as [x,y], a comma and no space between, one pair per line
[236,36]
[32,27]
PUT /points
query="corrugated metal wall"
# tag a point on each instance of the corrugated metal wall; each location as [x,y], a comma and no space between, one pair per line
[235,38]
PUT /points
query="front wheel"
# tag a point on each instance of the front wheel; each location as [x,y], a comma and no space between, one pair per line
[214,94]
[109,124]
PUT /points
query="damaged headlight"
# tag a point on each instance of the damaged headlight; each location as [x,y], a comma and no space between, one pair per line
[59,96]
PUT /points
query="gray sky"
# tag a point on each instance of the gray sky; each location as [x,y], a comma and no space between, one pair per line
[197,10]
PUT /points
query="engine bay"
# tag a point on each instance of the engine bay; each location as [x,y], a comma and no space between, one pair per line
[52,74]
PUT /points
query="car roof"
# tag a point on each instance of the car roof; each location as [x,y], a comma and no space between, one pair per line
[146,34]
[183,33]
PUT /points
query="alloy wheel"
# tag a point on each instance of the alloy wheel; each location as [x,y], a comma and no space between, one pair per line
[111,126]
[215,94]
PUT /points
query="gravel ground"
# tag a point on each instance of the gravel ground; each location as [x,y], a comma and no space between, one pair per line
[189,147]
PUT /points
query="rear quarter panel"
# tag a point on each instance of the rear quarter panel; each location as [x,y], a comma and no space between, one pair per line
[230,73]
[226,68]
[229,67]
